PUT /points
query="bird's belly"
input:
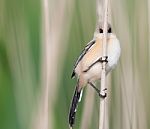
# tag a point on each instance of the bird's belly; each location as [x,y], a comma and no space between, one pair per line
[94,73]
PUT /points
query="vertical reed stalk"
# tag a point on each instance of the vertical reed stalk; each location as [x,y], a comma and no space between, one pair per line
[41,120]
[103,74]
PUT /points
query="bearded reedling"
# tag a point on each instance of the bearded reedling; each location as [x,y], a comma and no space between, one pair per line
[88,66]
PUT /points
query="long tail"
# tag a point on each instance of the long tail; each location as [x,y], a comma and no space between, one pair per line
[76,98]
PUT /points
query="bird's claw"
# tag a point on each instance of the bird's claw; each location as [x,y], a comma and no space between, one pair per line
[103,95]
[104,59]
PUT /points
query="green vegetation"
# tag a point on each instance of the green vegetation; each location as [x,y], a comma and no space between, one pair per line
[21,62]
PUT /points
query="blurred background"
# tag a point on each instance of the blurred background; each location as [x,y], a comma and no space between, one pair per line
[39,43]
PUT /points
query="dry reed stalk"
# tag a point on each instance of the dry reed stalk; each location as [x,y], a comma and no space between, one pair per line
[88,109]
[53,24]
[103,74]
[41,120]
[130,101]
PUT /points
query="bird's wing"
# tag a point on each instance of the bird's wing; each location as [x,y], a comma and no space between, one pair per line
[84,51]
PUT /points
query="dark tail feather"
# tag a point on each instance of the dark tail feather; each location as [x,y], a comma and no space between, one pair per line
[73,107]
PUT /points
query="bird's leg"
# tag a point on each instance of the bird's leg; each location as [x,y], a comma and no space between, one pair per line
[104,59]
[98,91]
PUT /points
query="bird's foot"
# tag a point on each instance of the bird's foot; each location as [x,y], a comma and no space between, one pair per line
[104,59]
[103,94]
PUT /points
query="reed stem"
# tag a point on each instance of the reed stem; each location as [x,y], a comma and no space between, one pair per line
[103,74]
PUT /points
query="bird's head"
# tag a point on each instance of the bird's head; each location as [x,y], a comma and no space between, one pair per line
[100,29]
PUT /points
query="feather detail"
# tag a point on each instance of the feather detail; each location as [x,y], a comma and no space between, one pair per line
[76,98]
[87,47]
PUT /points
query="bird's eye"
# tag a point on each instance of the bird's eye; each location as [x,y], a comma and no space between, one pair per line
[109,30]
[100,30]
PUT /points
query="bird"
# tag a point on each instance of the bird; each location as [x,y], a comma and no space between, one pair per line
[88,66]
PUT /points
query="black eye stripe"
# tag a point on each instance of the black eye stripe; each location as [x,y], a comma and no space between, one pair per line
[100,30]
[108,31]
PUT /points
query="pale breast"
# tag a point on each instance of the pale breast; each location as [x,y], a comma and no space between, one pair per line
[93,54]
[113,52]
